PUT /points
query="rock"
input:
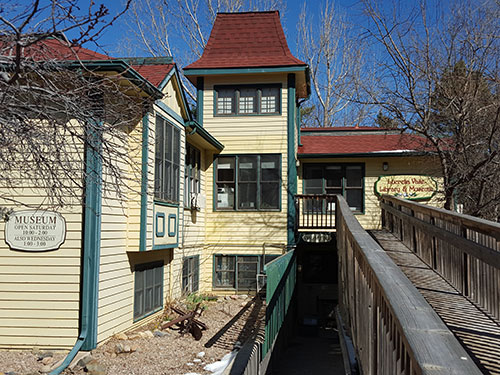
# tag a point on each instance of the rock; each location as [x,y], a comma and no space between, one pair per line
[133,348]
[119,348]
[121,336]
[84,360]
[135,336]
[95,368]
[113,355]
[200,354]
[126,349]
[47,360]
[227,298]
[189,364]
[234,297]
[45,369]
[42,355]
[243,304]
[160,334]
[149,334]
[196,360]
[82,356]
[244,296]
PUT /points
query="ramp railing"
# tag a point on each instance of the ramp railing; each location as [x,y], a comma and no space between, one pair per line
[393,328]
[463,249]
[281,277]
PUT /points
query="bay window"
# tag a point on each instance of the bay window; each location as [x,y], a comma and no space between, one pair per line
[167,161]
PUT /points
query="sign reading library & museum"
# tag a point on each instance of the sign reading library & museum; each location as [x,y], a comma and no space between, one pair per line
[35,230]
[414,187]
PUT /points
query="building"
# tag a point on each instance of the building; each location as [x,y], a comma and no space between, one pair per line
[216,196]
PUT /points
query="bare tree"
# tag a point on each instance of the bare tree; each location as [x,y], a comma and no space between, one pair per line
[181,28]
[334,55]
[438,77]
[53,106]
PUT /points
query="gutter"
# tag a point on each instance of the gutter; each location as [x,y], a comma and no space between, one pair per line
[89,274]
[195,128]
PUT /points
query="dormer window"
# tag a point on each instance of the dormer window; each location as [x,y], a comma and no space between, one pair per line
[245,100]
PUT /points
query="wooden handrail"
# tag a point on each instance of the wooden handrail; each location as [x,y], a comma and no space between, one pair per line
[463,249]
[315,211]
[393,328]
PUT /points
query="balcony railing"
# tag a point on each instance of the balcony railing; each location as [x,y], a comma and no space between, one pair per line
[315,211]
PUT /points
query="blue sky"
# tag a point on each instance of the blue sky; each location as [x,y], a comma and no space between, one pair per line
[111,38]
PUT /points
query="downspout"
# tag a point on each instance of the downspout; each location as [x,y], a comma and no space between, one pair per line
[144,183]
[291,167]
[87,338]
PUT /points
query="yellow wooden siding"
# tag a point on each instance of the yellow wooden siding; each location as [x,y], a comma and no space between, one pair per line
[246,135]
[371,218]
[39,292]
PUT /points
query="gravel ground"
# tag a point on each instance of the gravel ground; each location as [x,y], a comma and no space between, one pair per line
[230,320]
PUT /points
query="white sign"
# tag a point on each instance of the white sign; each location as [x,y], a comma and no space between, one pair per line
[35,230]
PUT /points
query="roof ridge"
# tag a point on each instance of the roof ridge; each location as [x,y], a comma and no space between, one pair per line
[159,60]
[251,12]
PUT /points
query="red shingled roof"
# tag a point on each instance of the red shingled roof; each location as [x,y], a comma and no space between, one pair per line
[56,49]
[361,144]
[60,50]
[245,40]
[154,73]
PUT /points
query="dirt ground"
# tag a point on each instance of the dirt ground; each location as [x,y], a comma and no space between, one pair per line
[231,321]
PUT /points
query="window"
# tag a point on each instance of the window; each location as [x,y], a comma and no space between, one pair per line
[167,161]
[247,100]
[343,179]
[148,289]
[248,182]
[239,271]
[190,274]
[191,176]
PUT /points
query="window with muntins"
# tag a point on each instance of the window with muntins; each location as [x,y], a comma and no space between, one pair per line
[248,182]
[190,274]
[167,161]
[148,289]
[192,173]
[247,100]
[344,179]
[239,272]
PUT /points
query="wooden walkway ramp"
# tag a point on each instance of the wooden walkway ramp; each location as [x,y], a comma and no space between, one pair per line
[475,329]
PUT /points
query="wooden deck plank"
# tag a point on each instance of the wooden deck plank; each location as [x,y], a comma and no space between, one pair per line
[473,327]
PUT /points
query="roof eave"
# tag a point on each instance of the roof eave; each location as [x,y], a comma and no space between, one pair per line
[373,154]
[119,66]
[195,128]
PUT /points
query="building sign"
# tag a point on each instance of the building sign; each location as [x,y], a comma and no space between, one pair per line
[35,230]
[414,187]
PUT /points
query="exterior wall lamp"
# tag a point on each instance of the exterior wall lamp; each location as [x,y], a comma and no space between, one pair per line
[385,166]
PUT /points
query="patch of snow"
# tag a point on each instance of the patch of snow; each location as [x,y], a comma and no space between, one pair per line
[218,367]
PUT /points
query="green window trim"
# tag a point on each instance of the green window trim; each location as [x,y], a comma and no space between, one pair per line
[240,260]
[343,188]
[167,161]
[190,274]
[148,289]
[236,92]
[236,183]
[192,177]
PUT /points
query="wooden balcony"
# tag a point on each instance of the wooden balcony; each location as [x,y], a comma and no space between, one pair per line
[315,212]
